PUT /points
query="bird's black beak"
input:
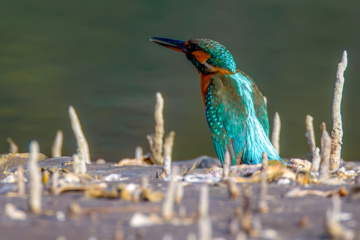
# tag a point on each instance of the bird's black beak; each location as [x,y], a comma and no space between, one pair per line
[177,45]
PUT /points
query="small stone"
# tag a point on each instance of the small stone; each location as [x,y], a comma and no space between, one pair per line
[299,165]
[151,196]
[283,181]
[60,216]
[100,161]
[14,213]
[343,174]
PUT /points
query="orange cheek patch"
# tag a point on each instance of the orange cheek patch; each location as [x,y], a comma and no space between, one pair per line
[201,56]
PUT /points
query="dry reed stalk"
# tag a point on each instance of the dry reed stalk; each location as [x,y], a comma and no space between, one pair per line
[79,166]
[139,153]
[156,142]
[35,185]
[56,150]
[226,165]
[265,160]
[179,193]
[20,180]
[160,149]
[334,229]
[325,157]
[168,145]
[275,135]
[54,181]
[315,165]
[310,135]
[204,225]
[166,169]
[13,147]
[337,131]
[167,208]
[263,207]
[81,142]
[234,191]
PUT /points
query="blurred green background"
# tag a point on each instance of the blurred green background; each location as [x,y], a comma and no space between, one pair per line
[95,55]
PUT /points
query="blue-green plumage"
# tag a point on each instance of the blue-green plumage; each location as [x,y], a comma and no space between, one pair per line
[238,119]
[235,109]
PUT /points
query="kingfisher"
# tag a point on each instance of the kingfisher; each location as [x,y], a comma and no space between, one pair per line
[236,112]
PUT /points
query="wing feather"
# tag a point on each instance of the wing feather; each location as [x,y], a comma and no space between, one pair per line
[237,118]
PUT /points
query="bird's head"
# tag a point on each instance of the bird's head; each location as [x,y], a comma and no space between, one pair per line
[208,56]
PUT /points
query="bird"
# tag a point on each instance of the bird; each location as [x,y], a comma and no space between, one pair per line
[235,109]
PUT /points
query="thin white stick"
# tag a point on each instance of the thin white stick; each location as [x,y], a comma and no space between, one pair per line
[204,225]
[13,147]
[310,135]
[57,145]
[226,166]
[263,207]
[167,166]
[55,181]
[21,180]
[265,160]
[337,132]
[157,139]
[167,208]
[169,144]
[325,157]
[35,185]
[315,165]
[275,136]
[139,153]
[81,142]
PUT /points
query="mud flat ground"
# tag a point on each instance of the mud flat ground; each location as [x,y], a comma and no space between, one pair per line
[104,205]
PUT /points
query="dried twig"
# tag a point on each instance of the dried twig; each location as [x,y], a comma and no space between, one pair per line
[263,207]
[81,142]
[315,165]
[54,181]
[337,132]
[20,180]
[79,165]
[166,169]
[179,193]
[139,153]
[325,157]
[204,201]
[13,147]
[310,135]
[226,165]
[169,144]
[233,190]
[265,160]
[160,150]
[247,219]
[322,127]
[156,140]
[168,203]
[204,225]
[275,136]
[35,185]
[57,145]
[333,227]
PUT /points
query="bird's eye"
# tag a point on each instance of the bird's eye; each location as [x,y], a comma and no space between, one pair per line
[191,47]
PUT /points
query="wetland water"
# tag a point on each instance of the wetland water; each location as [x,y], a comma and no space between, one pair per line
[96,56]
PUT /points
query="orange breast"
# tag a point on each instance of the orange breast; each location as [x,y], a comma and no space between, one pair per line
[204,83]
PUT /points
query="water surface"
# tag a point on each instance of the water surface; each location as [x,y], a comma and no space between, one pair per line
[96,56]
